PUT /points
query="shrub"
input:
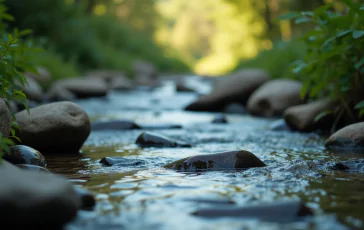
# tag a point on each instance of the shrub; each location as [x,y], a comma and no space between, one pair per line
[277,61]
[14,59]
[334,61]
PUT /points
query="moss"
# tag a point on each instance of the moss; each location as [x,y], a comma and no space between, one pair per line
[199,165]
[176,165]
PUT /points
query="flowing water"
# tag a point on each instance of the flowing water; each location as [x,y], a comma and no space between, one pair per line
[147,196]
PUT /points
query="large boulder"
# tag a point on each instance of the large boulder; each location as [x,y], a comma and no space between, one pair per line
[35,199]
[350,137]
[275,96]
[83,87]
[235,88]
[5,119]
[54,127]
[218,161]
[302,117]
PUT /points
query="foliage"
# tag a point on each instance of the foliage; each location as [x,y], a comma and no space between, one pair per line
[14,59]
[334,61]
[91,41]
[277,61]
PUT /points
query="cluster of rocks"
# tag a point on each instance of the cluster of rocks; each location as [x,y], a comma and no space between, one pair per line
[28,190]
[42,88]
[262,96]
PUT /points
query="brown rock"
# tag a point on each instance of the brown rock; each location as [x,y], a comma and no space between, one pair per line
[275,96]
[5,119]
[350,137]
[219,161]
[235,88]
[54,127]
[302,117]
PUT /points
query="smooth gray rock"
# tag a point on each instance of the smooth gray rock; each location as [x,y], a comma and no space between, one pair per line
[59,127]
[35,199]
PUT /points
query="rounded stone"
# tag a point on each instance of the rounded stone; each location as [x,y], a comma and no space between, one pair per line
[350,137]
[149,139]
[21,154]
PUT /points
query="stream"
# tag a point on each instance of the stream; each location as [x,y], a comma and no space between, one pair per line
[147,196]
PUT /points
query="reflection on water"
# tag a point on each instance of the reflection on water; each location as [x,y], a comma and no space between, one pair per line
[150,197]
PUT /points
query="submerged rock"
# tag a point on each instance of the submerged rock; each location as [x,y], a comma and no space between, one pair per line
[350,137]
[219,161]
[35,199]
[302,117]
[149,139]
[88,200]
[120,161]
[275,96]
[55,127]
[353,166]
[160,126]
[220,119]
[33,168]
[5,119]
[114,125]
[21,154]
[280,212]
[235,108]
[235,88]
[279,125]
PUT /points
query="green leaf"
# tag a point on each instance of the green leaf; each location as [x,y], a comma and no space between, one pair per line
[322,115]
[359,64]
[358,33]
[305,89]
[360,105]
[26,107]
[302,20]
[289,16]
[322,9]
[361,113]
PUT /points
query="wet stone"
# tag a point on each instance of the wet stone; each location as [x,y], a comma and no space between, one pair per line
[280,212]
[220,119]
[350,138]
[160,126]
[120,161]
[279,125]
[88,200]
[219,161]
[33,168]
[353,166]
[114,125]
[150,139]
[21,154]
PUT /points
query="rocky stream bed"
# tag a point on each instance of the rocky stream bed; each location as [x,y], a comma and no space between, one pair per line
[139,194]
[264,176]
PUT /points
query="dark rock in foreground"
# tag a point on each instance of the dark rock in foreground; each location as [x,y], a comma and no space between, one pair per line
[21,154]
[281,212]
[149,139]
[219,161]
[352,166]
[350,137]
[114,125]
[120,161]
[35,199]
